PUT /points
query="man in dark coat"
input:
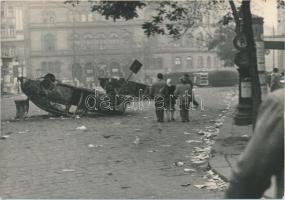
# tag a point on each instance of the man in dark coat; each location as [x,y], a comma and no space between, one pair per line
[155,92]
[263,157]
[183,92]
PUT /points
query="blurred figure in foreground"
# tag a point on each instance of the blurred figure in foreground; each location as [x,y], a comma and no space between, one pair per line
[275,80]
[263,157]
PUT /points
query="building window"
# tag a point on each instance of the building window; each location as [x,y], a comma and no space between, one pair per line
[90,17]
[200,39]
[88,41]
[189,61]
[48,17]
[209,62]
[177,43]
[84,17]
[10,11]
[178,62]
[157,63]
[53,67]
[114,39]
[126,40]
[49,42]
[101,41]
[200,62]
[8,51]
[216,62]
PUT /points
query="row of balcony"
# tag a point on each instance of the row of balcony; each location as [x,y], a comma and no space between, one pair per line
[8,33]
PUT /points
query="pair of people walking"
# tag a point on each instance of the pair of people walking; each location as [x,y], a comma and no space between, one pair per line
[165,95]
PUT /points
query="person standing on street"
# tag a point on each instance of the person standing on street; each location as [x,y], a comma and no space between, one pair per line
[189,81]
[263,157]
[275,80]
[155,93]
[183,91]
[170,100]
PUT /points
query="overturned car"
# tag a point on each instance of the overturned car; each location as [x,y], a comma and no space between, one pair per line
[57,98]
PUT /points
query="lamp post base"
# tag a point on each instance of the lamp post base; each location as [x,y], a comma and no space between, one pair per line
[243,115]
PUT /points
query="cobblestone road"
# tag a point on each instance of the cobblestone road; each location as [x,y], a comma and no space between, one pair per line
[129,156]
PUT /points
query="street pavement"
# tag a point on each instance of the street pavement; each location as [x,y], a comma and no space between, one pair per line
[100,156]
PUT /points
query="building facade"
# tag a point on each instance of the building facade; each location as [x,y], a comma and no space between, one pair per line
[13,53]
[79,46]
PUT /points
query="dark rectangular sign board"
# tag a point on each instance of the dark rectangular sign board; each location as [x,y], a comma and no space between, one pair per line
[136,66]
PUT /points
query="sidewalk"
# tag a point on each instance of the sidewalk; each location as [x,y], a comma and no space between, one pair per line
[230,143]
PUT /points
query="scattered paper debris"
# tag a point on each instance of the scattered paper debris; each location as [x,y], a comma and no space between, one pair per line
[81,128]
[245,136]
[91,145]
[77,117]
[186,133]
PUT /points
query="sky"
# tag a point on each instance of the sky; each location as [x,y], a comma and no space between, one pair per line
[268,10]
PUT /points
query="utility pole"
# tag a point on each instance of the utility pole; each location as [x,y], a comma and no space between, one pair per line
[246,60]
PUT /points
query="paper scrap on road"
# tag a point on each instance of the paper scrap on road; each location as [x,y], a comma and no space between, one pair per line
[107,136]
[25,131]
[165,145]
[200,132]
[81,128]
[125,187]
[137,140]
[199,186]
[77,117]
[178,164]
[186,133]
[5,136]
[189,170]
[193,141]
[185,184]
[68,170]
[91,145]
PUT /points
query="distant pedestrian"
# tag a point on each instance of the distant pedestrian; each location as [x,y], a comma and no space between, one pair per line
[169,99]
[183,92]
[263,157]
[275,80]
[189,81]
[155,92]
